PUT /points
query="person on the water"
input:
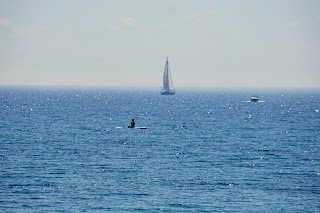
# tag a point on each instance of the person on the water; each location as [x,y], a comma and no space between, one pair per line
[132,124]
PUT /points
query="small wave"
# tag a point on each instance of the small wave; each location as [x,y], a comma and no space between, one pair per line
[226,184]
[181,205]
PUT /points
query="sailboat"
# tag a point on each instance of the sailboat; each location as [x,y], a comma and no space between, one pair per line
[168,88]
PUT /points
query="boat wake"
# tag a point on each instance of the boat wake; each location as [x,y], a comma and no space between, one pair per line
[253,101]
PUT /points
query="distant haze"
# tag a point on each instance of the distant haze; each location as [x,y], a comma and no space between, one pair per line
[125,43]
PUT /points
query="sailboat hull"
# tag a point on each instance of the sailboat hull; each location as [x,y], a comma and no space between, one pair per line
[168,92]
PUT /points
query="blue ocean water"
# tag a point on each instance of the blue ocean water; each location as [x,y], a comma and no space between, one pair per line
[203,151]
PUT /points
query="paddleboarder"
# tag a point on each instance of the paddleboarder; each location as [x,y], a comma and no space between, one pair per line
[132,124]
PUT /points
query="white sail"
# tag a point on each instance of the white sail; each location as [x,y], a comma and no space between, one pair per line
[168,88]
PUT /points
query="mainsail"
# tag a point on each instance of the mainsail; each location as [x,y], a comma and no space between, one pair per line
[168,88]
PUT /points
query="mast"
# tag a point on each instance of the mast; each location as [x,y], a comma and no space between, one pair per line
[170,83]
[167,79]
[165,76]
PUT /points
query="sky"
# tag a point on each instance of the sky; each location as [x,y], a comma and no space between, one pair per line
[209,43]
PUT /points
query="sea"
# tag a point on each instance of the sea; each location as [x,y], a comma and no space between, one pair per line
[204,150]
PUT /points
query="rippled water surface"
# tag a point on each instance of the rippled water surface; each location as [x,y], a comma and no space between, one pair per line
[203,151]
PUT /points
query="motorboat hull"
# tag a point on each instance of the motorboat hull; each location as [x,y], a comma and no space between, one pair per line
[254,99]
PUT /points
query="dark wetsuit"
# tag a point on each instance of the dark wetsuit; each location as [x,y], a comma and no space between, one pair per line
[132,124]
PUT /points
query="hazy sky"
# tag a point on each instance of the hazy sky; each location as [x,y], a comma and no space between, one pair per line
[125,43]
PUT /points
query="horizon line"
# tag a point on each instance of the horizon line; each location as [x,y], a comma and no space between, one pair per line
[154,87]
